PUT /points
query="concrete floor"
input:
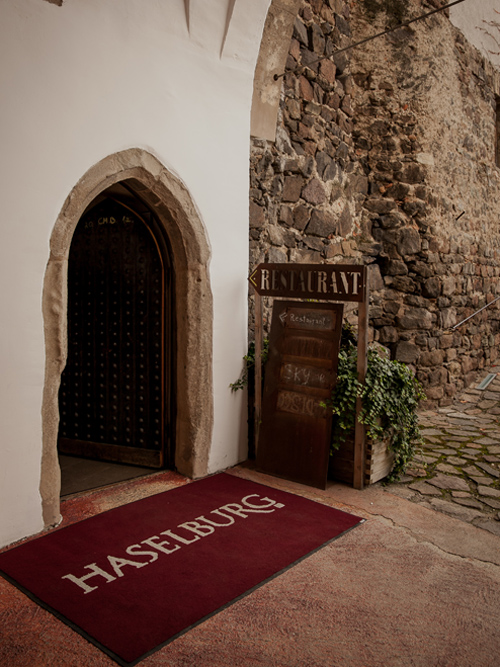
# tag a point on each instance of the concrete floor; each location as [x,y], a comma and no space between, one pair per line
[410,587]
[78,474]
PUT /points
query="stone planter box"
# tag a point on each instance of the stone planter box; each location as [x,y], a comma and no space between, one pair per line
[378,461]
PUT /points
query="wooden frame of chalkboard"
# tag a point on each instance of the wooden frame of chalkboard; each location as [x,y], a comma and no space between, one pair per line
[319,283]
[301,371]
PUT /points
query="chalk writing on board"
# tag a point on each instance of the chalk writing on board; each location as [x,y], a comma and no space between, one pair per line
[306,376]
[308,347]
[307,320]
[299,404]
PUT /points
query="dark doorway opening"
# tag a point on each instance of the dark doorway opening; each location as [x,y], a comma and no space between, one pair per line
[117,394]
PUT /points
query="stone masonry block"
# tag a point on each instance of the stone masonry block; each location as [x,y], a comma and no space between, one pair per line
[448,317]
[286,215]
[407,352]
[306,90]
[432,358]
[327,70]
[301,216]
[292,188]
[415,318]
[432,287]
[446,341]
[409,241]
[389,335]
[322,223]
[257,216]
[314,192]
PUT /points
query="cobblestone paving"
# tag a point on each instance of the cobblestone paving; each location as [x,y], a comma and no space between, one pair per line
[458,469]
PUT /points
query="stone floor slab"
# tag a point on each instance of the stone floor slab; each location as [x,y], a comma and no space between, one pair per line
[488,492]
[463,438]
[494,395]
[403,492]
[456,461]
[444,467]
[488,441]
[489,469]
[451,508]
[480,480]
[426,459]
[447,482]
[469,502]
[495,504]
[460,415]
[486,404]
[427,489]
[489,524]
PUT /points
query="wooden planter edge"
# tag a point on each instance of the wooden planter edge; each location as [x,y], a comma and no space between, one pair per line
[378,461]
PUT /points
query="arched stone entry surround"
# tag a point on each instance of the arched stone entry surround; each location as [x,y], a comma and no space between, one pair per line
[273,53]
[169,199]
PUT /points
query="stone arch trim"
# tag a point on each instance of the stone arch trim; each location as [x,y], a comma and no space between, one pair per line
[273,53]
[167,196]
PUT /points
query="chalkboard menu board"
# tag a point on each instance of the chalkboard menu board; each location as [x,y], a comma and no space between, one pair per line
[301,371]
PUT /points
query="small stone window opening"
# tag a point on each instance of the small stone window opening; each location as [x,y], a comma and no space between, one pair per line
[497,132]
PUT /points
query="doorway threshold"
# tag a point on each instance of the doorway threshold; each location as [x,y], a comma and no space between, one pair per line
[79,474]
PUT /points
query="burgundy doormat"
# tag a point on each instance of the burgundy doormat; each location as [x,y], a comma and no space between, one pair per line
[134,578]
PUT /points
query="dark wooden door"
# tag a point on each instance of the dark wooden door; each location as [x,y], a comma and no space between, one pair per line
[116,394]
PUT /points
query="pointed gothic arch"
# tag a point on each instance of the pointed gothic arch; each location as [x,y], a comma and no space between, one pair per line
[172,204]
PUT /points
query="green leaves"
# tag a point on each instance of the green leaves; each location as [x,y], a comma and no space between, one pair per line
[249,360]
[390,397]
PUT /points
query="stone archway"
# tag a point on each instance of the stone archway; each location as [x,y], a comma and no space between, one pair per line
[169,199]
[273,53]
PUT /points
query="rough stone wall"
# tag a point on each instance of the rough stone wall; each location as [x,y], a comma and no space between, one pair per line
[425,135]
[307,188]
[388,158]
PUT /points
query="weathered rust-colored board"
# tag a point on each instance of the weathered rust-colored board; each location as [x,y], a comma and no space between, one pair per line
[301,372]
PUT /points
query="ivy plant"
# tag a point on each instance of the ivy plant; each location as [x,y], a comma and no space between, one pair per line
[389,398]
[249,364]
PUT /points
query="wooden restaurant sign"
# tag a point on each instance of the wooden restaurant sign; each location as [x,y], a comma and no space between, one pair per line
[330,282]
[292,429]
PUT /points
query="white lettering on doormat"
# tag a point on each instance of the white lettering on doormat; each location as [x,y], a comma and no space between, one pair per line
[185,533]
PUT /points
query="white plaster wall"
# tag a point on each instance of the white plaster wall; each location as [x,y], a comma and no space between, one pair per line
[78,83]
[477,19]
